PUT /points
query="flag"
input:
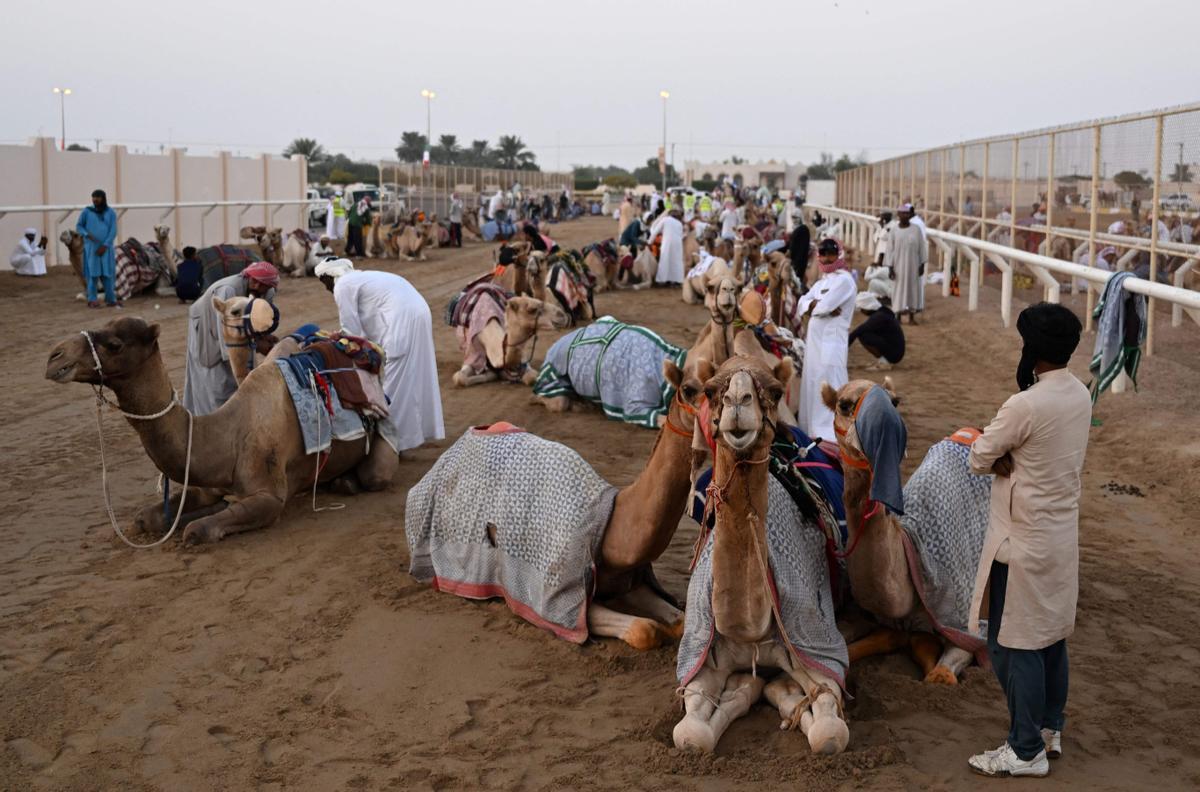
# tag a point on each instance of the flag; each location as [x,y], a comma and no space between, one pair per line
[425,159]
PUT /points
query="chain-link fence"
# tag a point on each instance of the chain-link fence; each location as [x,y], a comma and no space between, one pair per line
[413,186]
[1121,193]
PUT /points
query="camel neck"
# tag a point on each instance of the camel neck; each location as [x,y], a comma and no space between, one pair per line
[647,512]
[878,565]
[166,438]
[741,597]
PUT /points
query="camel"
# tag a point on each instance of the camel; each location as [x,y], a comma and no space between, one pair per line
[695,287]
[246,459]
[409,241]
[515,277]
[877,564]
[715,341]
[162,240]
[522,318]
[735,623]
[242,333]
[640,524]
[74,243]
[470,224]
[299,255]
[373,243]
[269,241]
[603,261]
[641,274]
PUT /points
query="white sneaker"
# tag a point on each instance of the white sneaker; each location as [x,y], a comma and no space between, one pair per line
[1005,762]
[1053,740]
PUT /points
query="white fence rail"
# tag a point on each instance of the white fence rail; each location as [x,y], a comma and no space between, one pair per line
[857,229]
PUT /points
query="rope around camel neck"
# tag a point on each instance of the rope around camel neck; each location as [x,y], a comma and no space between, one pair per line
[101,402]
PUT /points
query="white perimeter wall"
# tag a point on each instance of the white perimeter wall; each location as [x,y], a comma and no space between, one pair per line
[38,174]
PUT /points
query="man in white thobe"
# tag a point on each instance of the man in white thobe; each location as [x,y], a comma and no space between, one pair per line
[209,381]
[29,256]
[670,256]
[907,253]
[386,309]
[829,306]
[495,204]
[729,221]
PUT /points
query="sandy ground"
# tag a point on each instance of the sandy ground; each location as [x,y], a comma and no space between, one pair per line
[305,657]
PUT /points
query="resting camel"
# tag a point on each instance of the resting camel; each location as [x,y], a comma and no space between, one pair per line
[269,241]
[602,259]
[242,334]
[759,596]
[373,244]
[299,255]
[250,451]
[645,267]
[515,277]
[720,288]
[470,224]
[74,243]
[409,241]
[695,287]
[494,343]
[877,562]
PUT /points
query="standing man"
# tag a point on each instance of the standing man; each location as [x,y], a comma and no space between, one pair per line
[729,220]
[98,227]
[29,256]
[907,253]
[209,381]
[360,215]
[1027,584]
[670,260]
[335,217]
[627,214]
[880,236]
[828,306]
[800,250]
[456,215]
[386,309]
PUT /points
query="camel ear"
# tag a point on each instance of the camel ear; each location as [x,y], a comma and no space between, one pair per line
[784,371]
[673,374]
[829,396]
[151,333]
[890,387]
[218,304]
[705,370]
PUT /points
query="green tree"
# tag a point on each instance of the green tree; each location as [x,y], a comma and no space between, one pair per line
[411,148]
[77,147]
[821,170]
[845,163]
[1128,179]
[512,154]
[1182,173]
[340,176]
[648,174]
[308,147]
[620,181]
[447,151]
[479,155]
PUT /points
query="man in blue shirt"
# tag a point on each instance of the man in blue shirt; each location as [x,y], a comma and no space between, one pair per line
[98,227]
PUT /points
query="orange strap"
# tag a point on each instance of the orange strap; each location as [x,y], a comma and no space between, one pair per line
[966,436]
[857,407]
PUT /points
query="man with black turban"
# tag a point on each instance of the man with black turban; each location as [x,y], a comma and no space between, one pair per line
[1027,584]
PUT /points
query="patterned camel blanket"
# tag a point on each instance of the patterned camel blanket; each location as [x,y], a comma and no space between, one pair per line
[138,268]
[945,521]
[322,416]
[505,513]
[796,548]
[615,365]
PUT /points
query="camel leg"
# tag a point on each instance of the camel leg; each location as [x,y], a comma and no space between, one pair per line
[556,404]
[926,650]
[256,511]
[149,519]
[950,665]
[646,600]
[882,641]
[465,377]
[640,633]
[821,721]
[689,293]
[377,470]
[739,694]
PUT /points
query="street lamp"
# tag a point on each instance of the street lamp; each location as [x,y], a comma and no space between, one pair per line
[665,96]
[63,93]
[429,97]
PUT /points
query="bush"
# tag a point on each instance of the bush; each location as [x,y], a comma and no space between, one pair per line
[704,185]
[586,184]
[620,181]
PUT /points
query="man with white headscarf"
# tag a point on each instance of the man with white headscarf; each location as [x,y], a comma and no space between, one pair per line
[386,309]
[670,256]
[29,256]
[828,306]
[495,206]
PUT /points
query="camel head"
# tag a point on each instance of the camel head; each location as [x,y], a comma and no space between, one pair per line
[844,404]
[72,240]
[274,238]
[252,232]
[244,321]
[523,317]
[779,270]
[743,394]
[163,234]
[122,346]
[721,290]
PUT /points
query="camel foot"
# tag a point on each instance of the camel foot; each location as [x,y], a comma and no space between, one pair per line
[828,735]
[149,521]
[529,377]
[940,675]
[459,379]
[645,634]
[676,630]
[694,734]
[202,533]
[345,485]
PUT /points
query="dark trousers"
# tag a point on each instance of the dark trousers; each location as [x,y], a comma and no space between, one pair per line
[1034,680]
[354,241]
[456,234]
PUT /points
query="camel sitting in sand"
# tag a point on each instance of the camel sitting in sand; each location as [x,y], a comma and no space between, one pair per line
[269,241]
[640,275]
[494,339]
[697,281]
[299,254]
[514,277]
[246,459]
[409,241]
[608,575]
[470,224]
[721,289]
[945,505]
[759,596]
[74,244]
[602,260]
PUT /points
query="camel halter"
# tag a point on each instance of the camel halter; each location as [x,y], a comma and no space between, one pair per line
[685,407]
[164,482]
[245,329]
[873,506]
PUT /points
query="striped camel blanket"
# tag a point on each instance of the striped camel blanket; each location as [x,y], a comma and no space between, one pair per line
[505,513]
[614,365]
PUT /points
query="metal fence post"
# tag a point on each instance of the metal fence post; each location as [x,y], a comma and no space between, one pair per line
[1012,207]
[1050,200]
[1154,210]
[1092,222]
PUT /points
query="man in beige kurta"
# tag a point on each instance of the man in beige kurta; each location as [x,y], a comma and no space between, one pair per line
[1027,583]
[628,212]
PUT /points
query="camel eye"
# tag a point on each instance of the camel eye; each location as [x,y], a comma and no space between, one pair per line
[845,406]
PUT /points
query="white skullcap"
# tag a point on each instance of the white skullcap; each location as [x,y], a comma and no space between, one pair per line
[334,268]
[30,232]
[867,301]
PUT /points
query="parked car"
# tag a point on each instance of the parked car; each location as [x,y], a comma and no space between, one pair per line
[1177,202]
[318,207]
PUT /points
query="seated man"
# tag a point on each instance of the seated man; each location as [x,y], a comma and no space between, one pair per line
[880,334]
[29,256]
[188,275]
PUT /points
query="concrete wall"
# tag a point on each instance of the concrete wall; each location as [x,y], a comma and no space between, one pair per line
[38,174]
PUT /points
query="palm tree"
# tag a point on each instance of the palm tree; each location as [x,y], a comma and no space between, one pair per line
[478,155]
[448,149]
[512,154]
[310,148]
[411,148]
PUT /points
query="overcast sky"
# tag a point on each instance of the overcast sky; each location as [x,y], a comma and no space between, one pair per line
[579,80]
